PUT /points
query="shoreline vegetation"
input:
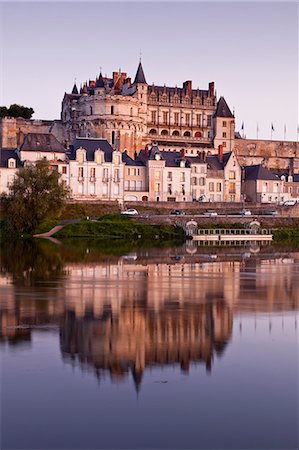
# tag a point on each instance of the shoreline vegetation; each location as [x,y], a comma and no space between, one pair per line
[114,226]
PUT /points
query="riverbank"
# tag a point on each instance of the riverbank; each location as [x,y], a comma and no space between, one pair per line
[116,226]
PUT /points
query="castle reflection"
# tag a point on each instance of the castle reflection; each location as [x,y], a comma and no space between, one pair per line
[121,315]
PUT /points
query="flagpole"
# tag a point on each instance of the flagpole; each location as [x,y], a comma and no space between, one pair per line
[257,131]
[285,131]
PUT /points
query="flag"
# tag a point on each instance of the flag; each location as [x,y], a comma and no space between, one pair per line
[272,128]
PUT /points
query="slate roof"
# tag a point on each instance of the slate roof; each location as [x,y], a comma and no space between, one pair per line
[75,90]
[43,142]
[215,164]
[6,154]
[100,82]
[130,161]
[91,145]
[222,109]
[258,172]
[140,78]
[178,91]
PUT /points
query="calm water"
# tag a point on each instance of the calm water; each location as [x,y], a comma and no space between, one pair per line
[123,348]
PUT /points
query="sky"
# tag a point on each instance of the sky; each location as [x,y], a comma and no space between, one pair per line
[249,49]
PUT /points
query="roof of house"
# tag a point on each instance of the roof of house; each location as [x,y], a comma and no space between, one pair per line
[140,78]
[222,109]
[258,172]
[130,161]
[7,154]
[91,145]
[215,164]
[42,142]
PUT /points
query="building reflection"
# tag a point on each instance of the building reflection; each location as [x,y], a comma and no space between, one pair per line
[122,315]
[138,337]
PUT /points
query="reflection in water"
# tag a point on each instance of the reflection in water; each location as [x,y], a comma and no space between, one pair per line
[137,337]
[148,307]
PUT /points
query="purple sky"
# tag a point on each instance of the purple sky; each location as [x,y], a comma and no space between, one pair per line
[250,50]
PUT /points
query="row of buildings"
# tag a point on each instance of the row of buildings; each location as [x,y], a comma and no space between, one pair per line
[94,169]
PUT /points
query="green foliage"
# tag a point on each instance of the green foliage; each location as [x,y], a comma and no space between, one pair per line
[288,235]
[35,195]
[16,111]
[116,226]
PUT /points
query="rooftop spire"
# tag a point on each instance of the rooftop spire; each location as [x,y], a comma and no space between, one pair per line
[100,82]
[140,78]
[75,89]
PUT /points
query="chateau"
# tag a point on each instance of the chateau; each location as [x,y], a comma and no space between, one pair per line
[131,115]
[126,140]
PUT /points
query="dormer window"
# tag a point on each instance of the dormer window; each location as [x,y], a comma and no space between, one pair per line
[81,155]
[182,163]
[157,157]
[11,163]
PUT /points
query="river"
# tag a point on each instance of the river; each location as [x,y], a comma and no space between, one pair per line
[117,347]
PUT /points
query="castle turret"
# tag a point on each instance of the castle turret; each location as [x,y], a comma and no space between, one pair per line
[75,90]
[224,126]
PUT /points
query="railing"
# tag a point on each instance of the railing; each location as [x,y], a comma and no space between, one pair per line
[232,231]
[169,137]
[92,179]
[136,189]
[105,179]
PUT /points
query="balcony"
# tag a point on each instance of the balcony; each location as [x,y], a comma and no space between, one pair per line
[105,179]
[136,189]
[182,139]
[80,179]
[92,179]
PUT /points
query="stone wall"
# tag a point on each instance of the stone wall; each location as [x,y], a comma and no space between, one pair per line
[13,130]
[273,154]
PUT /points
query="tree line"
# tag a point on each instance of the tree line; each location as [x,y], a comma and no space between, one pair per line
[16,111]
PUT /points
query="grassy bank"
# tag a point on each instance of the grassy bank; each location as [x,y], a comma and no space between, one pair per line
[286,235]
[115,226]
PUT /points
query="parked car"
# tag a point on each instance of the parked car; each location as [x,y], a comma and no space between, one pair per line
[210,213]
[271,212]
[130,212]
[245,212]
[177,212]
[289,203]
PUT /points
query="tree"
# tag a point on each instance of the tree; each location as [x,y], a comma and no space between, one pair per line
[35,194]
[16,111]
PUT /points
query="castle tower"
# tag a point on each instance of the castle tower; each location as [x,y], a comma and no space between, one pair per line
[224,126]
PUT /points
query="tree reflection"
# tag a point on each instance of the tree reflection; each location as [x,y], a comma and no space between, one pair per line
[30,262]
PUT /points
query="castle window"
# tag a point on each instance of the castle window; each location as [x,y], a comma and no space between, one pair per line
[232,175]
[131,112]
[153,131]
[187,119]
[80,172]
[112,110]
[198,120]
[224,123]
[224,135]
[187,134]
[91,110]
[164,132]
[154,116]
[175,99]
[63,169]
[113,137]
[209,120]
[224,144]
[165,117]
[12,163]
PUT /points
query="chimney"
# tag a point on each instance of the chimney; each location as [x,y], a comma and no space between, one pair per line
[212,89]
[187,86]
[182,153]
[220,153]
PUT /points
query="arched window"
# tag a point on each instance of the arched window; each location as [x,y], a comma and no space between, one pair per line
[175,133]
[153,131]
[164,132]
[187,134]
[198,134]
